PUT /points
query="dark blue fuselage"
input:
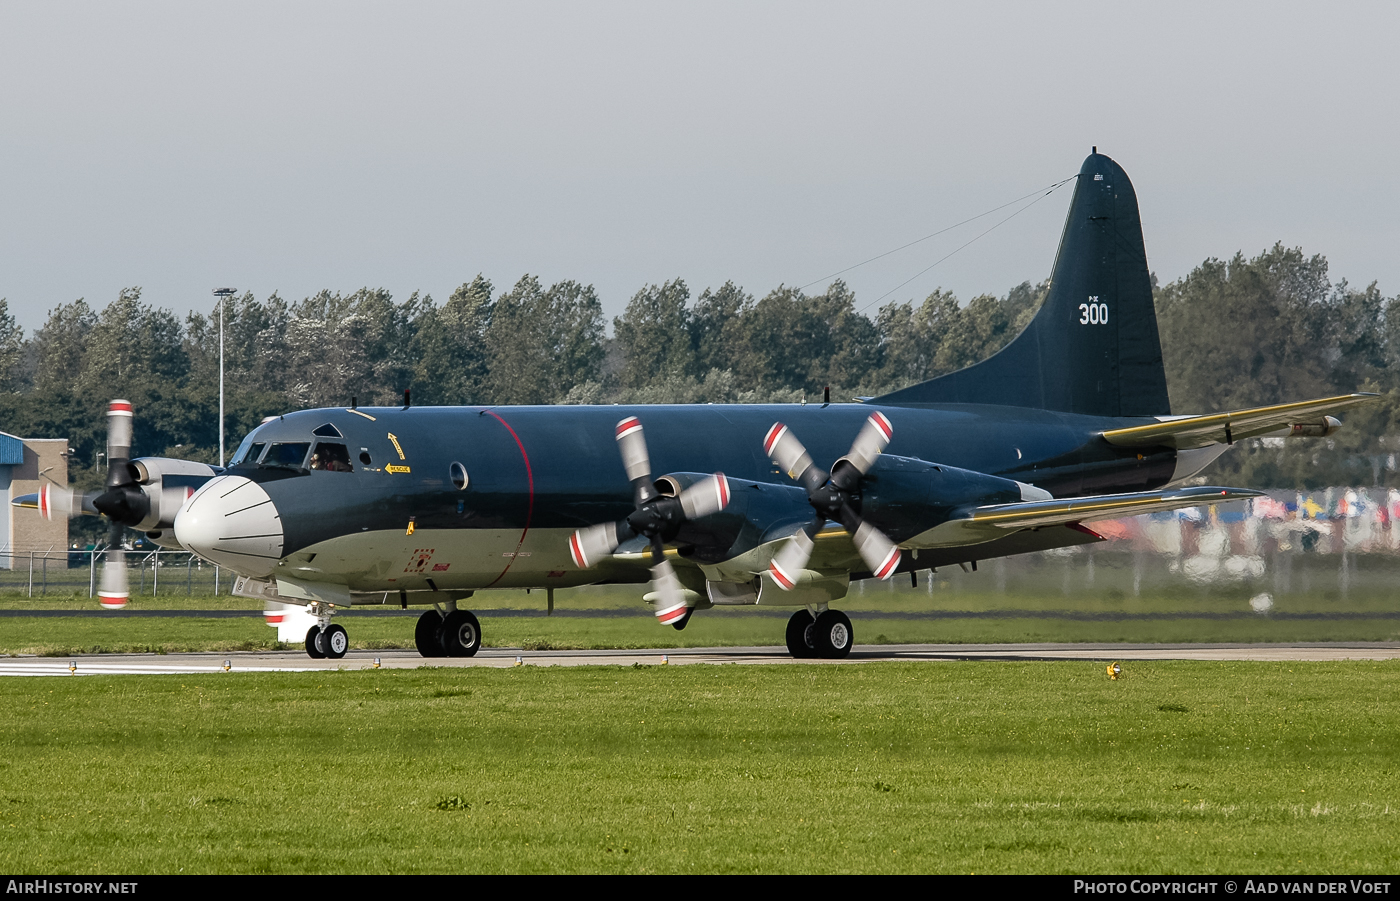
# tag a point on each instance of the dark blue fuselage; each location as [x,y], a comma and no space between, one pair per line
[558,467]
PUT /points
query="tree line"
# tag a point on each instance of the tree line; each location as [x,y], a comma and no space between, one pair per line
[1235,333]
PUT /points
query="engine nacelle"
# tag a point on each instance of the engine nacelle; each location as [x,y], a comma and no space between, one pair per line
[167,483]
[904,496]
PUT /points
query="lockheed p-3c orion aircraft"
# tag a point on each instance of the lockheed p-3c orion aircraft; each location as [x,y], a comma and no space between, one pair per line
[715,505]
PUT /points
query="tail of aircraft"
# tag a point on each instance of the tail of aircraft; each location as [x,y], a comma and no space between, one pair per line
[1093,346]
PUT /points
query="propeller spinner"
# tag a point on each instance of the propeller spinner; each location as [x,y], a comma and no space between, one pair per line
[657,516]
[831,495]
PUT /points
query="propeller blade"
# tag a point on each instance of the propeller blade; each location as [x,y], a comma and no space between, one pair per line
[588,546]
[670,601]
[632,444]
[783,448]
[870,443]
[118,431]
[123,501]
[706,497]
[791,559]
[112,592]
[878,552]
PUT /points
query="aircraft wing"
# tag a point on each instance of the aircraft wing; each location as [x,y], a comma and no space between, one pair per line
[978,524]
[1305,418]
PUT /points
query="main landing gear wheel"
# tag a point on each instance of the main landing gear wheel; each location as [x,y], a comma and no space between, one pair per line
[461,634]
[832,635]
[335,642]
[799,635]
[427,634]
[314,647]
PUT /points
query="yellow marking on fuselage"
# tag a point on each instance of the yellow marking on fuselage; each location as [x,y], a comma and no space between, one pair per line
[392,468]
[358,413]
[394,439]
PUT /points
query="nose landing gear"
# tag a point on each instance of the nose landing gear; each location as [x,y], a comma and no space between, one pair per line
[325,640]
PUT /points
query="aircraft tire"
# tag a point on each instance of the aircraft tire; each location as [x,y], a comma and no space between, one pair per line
[799,635]
[461,634]
[313,643]
[832,635]
[427,635]
[335,642]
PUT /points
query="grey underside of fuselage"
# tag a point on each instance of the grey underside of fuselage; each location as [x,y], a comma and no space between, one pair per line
[455,561]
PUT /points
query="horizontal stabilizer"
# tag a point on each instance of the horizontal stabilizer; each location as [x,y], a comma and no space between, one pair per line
[1306,418]
[980,524]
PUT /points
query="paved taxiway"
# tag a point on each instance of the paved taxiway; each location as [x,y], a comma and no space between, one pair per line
[296,661]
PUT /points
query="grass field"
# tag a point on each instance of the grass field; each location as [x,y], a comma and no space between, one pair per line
[953,767]
[49,636]
[959,609]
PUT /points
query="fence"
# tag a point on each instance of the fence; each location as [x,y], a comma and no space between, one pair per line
[1338,541]
[150,572]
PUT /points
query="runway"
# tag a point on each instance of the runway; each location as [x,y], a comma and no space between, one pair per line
[297,661]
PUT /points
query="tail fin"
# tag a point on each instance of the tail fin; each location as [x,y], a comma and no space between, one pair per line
[1093,346]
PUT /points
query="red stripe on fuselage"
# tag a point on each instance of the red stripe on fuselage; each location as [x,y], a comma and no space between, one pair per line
[530,509]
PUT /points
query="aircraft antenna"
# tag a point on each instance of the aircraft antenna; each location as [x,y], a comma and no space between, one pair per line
[994,209]
[998,225]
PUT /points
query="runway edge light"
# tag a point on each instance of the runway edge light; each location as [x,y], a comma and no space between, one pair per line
[1114,670]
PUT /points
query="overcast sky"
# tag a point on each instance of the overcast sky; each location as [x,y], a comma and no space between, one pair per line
[299,146]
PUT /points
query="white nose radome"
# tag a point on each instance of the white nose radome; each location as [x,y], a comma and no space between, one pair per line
[231,521]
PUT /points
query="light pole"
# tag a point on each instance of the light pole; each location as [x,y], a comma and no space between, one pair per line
[223,294]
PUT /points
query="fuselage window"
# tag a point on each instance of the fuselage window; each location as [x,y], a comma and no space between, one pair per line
[459,476]
[331,457]
[327,431]
[290,453]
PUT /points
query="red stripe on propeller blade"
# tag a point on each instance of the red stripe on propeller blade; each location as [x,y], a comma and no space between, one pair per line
[887,568]
[771,439]
[669,616]
[882,424]
[784,582]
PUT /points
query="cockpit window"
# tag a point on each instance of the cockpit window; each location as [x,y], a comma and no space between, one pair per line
[248,454]
[289,453]
[327,431]
[331,457]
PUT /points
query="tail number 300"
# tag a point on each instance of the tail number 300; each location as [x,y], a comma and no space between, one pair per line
[1093,312]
